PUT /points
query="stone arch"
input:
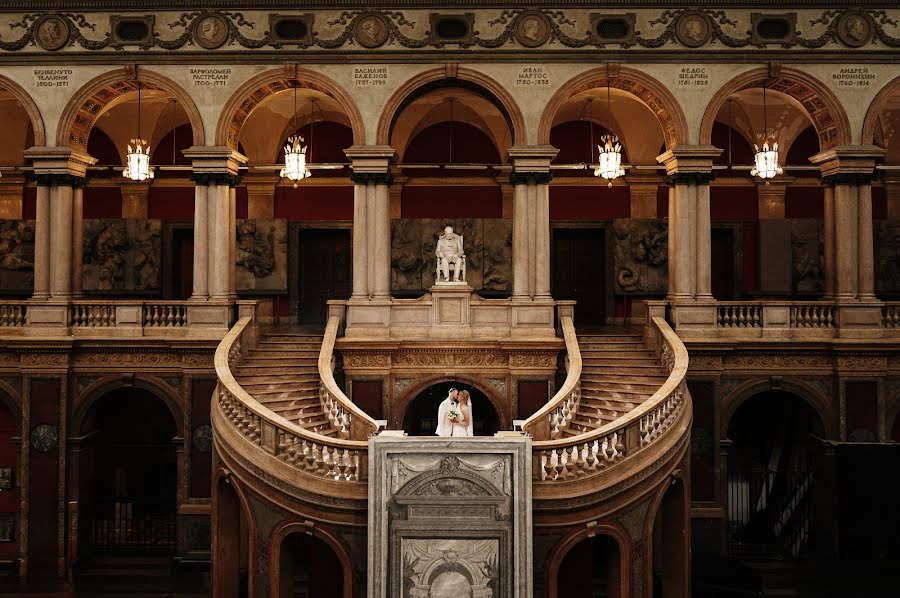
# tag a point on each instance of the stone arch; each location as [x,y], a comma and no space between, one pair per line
[492,90]
[677,478]
[641,85]
[819,404]
[559,551]
[13,401]
[875,109]
[823,107]
[105,385]
[340,548]
[401,404]
[249,95]
[223,475]
[87,104]
[34,114]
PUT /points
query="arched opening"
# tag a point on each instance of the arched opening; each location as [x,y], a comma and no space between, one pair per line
[231,543]
[593,567]
[420,418]
[771,479]
[309,567]
[451,137]
[582,204]
[304,226]
[670,545]
[17,197]
[129,473]
[881,128]
[895,429]
[767,239]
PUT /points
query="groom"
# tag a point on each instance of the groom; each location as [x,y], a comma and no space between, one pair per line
[444,425]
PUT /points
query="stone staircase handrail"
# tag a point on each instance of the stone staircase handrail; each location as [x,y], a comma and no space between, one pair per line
[592,452]
[556,412]
[290,448]
[13,314]
[340,409]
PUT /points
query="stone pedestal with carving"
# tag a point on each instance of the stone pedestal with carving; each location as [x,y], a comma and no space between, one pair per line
[450,517]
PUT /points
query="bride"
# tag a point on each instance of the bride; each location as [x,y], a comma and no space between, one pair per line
[455,414]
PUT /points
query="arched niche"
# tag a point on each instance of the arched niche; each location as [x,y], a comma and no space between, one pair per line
[416,410]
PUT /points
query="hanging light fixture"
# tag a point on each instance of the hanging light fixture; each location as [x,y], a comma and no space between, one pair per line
[610,150]
[766,159]
[138,166]
[294,153]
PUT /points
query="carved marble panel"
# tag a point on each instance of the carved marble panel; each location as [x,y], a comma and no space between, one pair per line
[887,256]
[407,259]
[121,254]
[16,255]
[450,517]
[261,262]
[807,251]
[641,255]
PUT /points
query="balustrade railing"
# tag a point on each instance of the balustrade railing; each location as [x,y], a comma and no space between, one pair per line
[128,314]
[13,314]
[325,458]
[93,314]
[590,453]
[812,315]
[739,315]
[772,315]
[549,421]
[164,314]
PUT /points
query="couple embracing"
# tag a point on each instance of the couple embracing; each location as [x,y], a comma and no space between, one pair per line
[455,414]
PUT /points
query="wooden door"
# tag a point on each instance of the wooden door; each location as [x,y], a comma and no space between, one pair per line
[325,272]
[579,273]
[722,266]
[182,282]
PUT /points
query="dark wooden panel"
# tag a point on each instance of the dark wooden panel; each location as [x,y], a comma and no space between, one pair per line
[367,395]
[325,271]
[201,461]
[703,446]
[579,263]
[532,396]
[43,483]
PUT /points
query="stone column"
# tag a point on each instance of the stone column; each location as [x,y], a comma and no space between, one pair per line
[828,242]
[42,257]
[866,244]
[688,173]
[371,220]
[531,220]
[846,223]
[60,173]
[216,174]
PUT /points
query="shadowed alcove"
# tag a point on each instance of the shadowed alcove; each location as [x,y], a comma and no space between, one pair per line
[421,415]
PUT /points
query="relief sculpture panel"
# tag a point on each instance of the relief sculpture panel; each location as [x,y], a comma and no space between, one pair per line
[17,255]
[487,243]
[261,262]
[807,249]
[120,254]
[641,255]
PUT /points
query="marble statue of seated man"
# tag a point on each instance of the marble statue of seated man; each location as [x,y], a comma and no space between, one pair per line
[450,252]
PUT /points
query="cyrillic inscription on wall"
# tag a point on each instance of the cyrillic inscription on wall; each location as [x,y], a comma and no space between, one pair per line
[853,77]
[692,77]
[210,77]
[51,78]
[370,76]
[533,76]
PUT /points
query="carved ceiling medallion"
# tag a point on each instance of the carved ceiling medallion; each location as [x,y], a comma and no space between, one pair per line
[210,31]
[370,30]
[44,438]
[693,29]
[51,32]
[532,29]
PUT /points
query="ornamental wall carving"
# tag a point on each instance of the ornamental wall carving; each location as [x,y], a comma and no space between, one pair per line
[414,29]
[428,358]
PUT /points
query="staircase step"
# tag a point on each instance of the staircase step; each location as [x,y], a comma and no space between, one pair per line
[259,378]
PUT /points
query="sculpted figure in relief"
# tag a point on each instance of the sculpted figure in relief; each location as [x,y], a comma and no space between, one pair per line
[449,252]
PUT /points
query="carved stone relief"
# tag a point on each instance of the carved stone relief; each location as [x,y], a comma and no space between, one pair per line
[261,262]
[487,244]
[121,254]
[641,255]
[887,256]
[807,252]
[16,255]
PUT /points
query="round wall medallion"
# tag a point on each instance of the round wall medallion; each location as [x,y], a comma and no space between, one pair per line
[210,31]
[854,29]
[202,438]
[51,32]
[532,29]
[44,438]
[370,30]
[693,29]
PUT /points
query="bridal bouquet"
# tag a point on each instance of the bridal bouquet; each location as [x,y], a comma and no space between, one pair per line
[454,415]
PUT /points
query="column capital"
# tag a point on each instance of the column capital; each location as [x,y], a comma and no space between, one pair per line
[214,164]
[378,178]
[687,164]
[370,159]
[848,163]
[531,158]
[59,165]
[523,178]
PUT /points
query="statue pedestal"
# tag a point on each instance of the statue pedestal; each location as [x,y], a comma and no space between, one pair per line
[450,304]
[441,505]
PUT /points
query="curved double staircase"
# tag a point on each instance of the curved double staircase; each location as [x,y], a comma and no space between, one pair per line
[624,397]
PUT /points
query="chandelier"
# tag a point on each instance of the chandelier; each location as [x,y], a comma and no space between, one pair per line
[610,150]
[766,159]
[138,167]
[294,153]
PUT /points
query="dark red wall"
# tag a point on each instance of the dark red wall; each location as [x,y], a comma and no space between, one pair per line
[314,203]
[447,201]
[733,203]
[589,203]
[43,483]
[102,202]
[201,462]
[29,203]
[171,203]
[574,141]
[8,497]
[804,202]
